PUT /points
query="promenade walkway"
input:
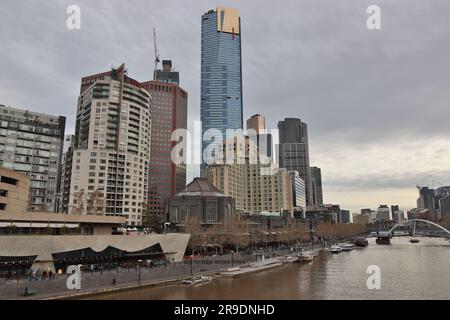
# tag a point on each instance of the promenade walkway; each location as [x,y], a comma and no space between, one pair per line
[103,280]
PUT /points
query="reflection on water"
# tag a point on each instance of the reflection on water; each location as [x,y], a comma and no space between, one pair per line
[408,271]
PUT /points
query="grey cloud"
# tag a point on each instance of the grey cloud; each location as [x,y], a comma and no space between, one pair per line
[310,59]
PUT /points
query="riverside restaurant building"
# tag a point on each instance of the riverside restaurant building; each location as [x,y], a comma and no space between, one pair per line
[51,242]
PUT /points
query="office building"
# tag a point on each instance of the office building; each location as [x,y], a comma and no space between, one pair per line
[316,187]
[294,151]
[167,74]
[111,147]
[257,132]
[169,113]
[383,213]
[425,200]
[31,143]
[444,205]
[221,72]
[298,192]
[344,216]
[394,210]
[361,219]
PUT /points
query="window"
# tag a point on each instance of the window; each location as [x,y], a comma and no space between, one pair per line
[8,180]
[211,211]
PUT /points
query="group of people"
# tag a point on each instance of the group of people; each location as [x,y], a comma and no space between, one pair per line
[45,275]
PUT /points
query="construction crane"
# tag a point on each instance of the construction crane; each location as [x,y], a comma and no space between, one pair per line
[157,58]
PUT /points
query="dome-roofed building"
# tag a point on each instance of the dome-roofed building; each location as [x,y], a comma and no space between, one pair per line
[202,200]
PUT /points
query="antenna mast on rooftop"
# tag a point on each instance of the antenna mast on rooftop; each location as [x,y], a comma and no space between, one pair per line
[157,58]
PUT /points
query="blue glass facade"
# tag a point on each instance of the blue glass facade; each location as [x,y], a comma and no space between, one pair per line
[221,75]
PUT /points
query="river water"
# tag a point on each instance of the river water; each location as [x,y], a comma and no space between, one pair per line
[408,271]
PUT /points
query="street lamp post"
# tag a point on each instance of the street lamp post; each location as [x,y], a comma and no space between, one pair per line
[139,266]
[232,252]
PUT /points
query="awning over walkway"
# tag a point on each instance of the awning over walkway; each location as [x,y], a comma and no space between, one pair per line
[38,225]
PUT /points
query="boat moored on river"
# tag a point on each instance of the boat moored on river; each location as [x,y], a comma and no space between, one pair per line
[360,242]
[335,249]
[348,247]
[383,239]
[197,280]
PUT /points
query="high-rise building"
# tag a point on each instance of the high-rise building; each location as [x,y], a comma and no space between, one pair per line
[112,147]
[316,187]
[425,200]
[256,186]
[254,192]
[394,210]
[344,216]
[298,192]
[221,72]
[294,152]
[256,124]
[169,113]
[444,206]
[167,74]
[66,173]
[383,213]
[32,143]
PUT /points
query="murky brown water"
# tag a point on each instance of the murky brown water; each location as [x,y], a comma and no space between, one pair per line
[408,271]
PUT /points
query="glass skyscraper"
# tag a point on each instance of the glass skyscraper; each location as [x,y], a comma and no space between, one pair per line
[221,72]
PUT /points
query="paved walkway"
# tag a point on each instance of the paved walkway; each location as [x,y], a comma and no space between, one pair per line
[98,280]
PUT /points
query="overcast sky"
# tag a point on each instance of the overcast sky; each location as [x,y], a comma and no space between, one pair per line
[377,102]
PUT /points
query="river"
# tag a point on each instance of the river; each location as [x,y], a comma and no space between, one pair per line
[408,271]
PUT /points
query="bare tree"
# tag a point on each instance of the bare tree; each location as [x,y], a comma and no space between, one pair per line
[192,225]
[78,207]
[96,203]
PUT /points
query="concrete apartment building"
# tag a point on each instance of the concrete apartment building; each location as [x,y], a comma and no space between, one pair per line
[66,173]
[31,143]
[111,151]
[169,113]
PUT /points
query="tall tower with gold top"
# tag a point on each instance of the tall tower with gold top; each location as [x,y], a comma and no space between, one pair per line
[221,72]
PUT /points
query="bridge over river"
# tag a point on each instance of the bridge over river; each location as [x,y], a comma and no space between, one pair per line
[404,229]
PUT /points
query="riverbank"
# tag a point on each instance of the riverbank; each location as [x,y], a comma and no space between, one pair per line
[100,283]
[408,272]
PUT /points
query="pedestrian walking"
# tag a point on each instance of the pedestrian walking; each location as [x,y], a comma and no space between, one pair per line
[114,282]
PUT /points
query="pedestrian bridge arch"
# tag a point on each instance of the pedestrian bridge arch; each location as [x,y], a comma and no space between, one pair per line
[390,232]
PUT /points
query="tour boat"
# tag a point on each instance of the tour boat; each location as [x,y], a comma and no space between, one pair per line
[348,247]
[360,242]
[414,240]
[307,258]
[197,280]
[336,249]
[383,240]
[290,259]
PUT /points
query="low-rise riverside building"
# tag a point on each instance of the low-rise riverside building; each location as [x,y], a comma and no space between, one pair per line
[51,241]
[203,201]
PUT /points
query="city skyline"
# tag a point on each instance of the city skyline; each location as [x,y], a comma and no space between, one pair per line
[374,140]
